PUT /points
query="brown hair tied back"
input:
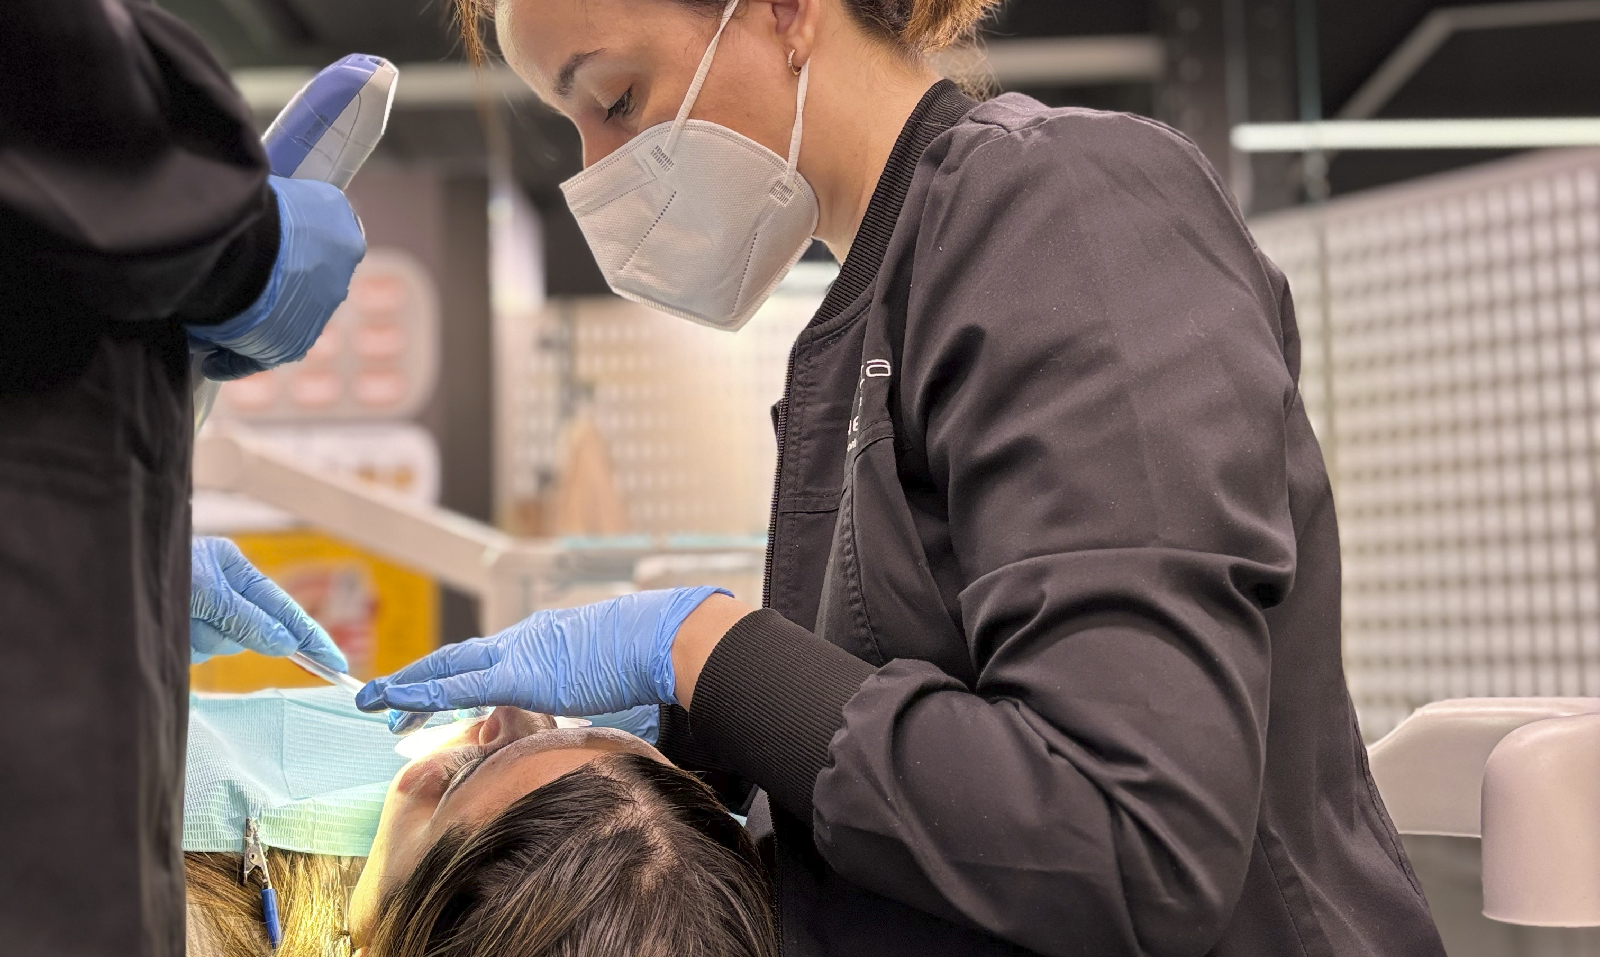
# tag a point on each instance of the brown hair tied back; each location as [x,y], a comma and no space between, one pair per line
[912,27]
[469,15]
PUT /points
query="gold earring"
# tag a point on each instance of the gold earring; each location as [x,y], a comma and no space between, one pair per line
[791,64]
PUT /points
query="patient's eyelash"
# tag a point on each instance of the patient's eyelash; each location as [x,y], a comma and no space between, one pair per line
[622,106]
[462,762]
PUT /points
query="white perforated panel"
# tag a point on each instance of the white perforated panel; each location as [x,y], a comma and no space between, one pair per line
[1458,417]
[683,409]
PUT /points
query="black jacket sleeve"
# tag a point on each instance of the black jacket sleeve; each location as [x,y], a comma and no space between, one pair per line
[1094,374]
[132,182]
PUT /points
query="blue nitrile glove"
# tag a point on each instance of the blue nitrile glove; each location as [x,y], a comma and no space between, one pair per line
[594,659]
[233,607]
[320,244]
[641,722]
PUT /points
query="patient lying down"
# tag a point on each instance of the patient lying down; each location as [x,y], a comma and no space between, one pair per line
[515,839]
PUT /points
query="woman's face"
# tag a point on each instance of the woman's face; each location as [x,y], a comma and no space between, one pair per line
[476,773]
[618,67]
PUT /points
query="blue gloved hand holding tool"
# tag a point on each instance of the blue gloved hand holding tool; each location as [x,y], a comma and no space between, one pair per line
[314,147]
[592,660]
[233,607]
[319,246]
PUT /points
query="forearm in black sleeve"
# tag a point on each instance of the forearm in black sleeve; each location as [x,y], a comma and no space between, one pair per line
[769,700]
[675,739]
[132,182]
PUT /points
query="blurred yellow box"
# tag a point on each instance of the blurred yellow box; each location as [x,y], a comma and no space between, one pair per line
[382,615]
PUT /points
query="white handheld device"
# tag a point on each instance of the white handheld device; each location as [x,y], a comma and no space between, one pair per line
[325,133]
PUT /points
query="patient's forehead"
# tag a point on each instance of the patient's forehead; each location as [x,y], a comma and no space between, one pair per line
[529,764]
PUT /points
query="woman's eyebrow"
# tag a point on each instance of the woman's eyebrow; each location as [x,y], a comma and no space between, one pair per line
[569,71]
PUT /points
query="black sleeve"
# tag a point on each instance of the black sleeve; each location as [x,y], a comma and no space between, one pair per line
[676,740]
[1094,371]
[769,699]
[132,182]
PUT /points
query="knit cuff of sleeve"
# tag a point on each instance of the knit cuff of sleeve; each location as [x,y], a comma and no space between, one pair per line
[770,699]
[676,740]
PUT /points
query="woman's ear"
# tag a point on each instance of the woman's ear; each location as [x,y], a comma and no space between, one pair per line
[795,24]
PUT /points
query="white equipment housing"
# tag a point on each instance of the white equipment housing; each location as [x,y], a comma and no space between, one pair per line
[1523,774]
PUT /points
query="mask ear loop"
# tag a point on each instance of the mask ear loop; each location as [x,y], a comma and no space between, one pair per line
[699,80]
[799,121]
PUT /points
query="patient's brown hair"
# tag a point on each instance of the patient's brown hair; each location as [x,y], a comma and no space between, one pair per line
[623,856]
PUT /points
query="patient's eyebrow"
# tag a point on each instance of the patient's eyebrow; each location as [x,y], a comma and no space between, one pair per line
[569,71]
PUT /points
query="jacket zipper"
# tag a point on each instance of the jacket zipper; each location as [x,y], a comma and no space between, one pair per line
[777,478]
[781,431]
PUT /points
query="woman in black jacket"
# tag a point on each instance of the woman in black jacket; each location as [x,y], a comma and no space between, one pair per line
[1050,654]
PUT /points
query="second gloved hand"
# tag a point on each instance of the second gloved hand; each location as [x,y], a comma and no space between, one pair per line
[320,243]
[233,607]
[594,659]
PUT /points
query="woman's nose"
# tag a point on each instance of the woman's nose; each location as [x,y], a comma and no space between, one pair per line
[597,148]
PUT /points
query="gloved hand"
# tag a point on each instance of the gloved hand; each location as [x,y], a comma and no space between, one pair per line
[320,244]
[641,722]
[594,659]
[233,607]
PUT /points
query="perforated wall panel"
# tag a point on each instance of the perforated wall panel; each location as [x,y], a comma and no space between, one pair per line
[1451,333]
[683,409]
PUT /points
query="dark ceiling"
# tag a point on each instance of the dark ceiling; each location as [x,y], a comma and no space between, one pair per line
[1514,72]
[1525,71]
[310,32]
[251,33]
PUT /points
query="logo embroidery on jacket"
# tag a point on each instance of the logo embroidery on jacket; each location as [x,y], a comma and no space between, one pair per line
[871,369]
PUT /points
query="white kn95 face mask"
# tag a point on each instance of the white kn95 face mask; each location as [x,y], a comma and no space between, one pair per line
[695,219]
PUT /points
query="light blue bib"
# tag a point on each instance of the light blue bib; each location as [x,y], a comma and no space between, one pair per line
[303,762]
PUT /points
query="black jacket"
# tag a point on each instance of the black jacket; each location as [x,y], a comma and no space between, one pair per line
[133,186]
[133,195]
[1052,656]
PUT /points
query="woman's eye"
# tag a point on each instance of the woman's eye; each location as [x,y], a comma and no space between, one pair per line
[622,106]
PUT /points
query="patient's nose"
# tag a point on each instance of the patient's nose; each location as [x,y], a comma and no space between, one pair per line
[505,725]
[493,728]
